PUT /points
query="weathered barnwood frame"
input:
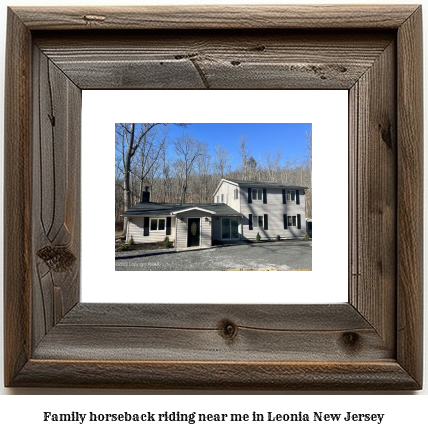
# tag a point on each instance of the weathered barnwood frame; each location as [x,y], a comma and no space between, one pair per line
[372,342]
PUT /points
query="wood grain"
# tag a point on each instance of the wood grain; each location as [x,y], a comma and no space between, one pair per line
[17,198]
[372,342]
[373,177]
[197,332]
[410,192]
[217,17]
[208,316]
[55,194]
[386,375]
[216,60]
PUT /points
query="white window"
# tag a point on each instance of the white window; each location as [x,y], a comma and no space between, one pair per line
[258,221]
[257,193]
[222,198]
[218,199]
[291,195]
[292,220]
[157,224]
[235,193]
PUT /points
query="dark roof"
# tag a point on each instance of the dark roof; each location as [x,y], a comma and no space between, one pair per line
[270,184]
[248,183]
[164,209]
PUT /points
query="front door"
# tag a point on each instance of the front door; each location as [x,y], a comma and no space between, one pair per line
[193,232]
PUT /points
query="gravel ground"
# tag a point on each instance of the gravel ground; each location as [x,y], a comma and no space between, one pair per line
[280,256]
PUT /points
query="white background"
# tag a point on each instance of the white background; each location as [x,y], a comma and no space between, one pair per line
[328,113]
[404,413]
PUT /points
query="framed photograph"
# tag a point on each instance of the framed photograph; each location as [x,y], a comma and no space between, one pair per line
[371,341]
[279,157]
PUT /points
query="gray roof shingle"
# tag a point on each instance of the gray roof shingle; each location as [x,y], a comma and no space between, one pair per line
[166,209]
[248,183]
[259,184]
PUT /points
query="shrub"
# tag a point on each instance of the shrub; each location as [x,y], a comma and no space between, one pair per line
[258,237]
[278,238]
[167,243]
[124,247]
[307,238]
[131,241]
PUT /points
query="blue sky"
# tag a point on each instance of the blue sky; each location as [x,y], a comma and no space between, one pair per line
[260,138]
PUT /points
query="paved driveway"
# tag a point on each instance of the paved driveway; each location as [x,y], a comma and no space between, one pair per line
[281,256]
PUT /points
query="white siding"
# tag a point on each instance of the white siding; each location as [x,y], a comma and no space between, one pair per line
[227,190]
[205,229]
[275,210]
[136,230]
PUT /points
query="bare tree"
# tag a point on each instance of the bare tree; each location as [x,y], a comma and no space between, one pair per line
[148,159]
[222,161]
[204,176]
[128,139]
[139,147]
[167,181]
[251,168]
[245,155]
[272,164]
[188,150]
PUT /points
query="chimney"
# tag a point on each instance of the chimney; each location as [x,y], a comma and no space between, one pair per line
[146,195]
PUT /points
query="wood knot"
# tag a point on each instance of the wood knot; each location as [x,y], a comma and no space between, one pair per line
[386,134]
[89,18]
[227,329]
[258,48]
[51,119]
[185,56]
[235,62]
[351,340]
[58,259]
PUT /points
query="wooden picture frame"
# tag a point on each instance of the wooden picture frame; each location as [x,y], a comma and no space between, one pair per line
[372,342]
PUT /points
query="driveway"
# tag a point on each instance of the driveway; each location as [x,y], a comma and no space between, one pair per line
[281,256]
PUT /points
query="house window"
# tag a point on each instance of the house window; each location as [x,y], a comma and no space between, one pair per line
[218,199]
[291,195]
[258,221]
[292,220]
[222,198]
[230,228]
[157,224]
[235,193]
[257,193]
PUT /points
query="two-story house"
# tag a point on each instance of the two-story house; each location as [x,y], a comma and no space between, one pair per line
[240,210]
[267,208]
